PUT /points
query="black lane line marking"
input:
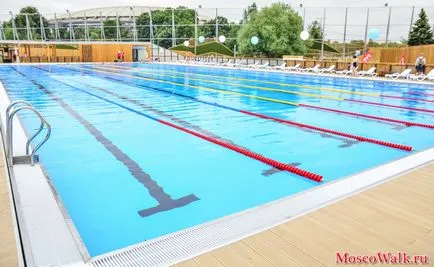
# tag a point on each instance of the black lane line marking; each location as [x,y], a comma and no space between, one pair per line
[186,124]
[165,200]
[346,142]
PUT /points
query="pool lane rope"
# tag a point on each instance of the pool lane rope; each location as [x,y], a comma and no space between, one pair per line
[274,163]
[309,87]
[275,90]
[342,112]
[297,124]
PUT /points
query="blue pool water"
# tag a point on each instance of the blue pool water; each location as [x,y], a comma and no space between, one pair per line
[125,177]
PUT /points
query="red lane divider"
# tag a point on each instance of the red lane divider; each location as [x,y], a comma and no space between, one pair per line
[407,98]
[387,105]
[271,162]
[422,94]
[360,138]
[408,123]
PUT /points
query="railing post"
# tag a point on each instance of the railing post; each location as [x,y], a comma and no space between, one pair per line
[216,24]
[29,32]
[118,32]
[56,28]
[323,35]
[195,32]
[101,26]
[134,24]
[151,35]
[173,28]
[388,27]
[71,29]
[345,33]
[411,20]
[86,31]
[14,28]
[366,27]
[41,21]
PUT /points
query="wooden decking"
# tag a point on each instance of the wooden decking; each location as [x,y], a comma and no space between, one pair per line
[8,251]
[397,216]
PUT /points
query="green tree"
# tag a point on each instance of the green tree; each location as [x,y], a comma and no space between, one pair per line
[421,33]
[249,12]
[315,30]
[33,16]
[278,28]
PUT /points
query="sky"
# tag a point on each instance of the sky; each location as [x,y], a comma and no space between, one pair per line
[400,16]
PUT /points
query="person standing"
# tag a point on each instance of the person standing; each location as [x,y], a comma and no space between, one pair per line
[420,64]
[119,56]
[122,56]
[354,65]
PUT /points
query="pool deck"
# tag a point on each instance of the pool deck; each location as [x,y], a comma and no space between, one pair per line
[396,216]
[8,244]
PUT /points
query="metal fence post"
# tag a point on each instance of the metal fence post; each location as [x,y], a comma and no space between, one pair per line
[388,27]
[28,31]
[151,34]
[366,27]
[411,20]
[173,28]
[216,24]
[101,25]
[195,32]
[323,35]
[14,28]
[345,33]
[41,21]
[71,29]
[56,28]
[134,24]
[2,33]
[118,31]
[86,31]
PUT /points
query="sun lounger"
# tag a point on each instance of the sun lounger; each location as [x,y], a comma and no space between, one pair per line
[293,68]
[313,69]
[422,77]
[330,69]
[280,67]
[399,75]
[371,72]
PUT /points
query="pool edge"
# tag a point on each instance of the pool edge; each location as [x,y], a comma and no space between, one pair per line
[23,171]
[185,244]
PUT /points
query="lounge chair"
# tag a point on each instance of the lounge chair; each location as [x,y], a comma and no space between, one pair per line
[238,63]
[313,69]
[293,68]
[398,75]
[345,72]
[228,64]
[280,67]
[370,72]
[330,69]
[422,77]
[263,66]
[253,65]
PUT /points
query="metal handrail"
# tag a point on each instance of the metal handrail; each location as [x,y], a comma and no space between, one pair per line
[9,130]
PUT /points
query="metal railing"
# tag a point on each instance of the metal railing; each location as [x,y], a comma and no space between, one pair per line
[30,155]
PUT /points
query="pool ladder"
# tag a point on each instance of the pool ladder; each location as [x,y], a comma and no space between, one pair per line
[30,157]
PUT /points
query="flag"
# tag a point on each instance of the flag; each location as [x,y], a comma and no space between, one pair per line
[366,57]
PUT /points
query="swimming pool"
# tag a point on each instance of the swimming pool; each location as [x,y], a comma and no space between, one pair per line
[142,150]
